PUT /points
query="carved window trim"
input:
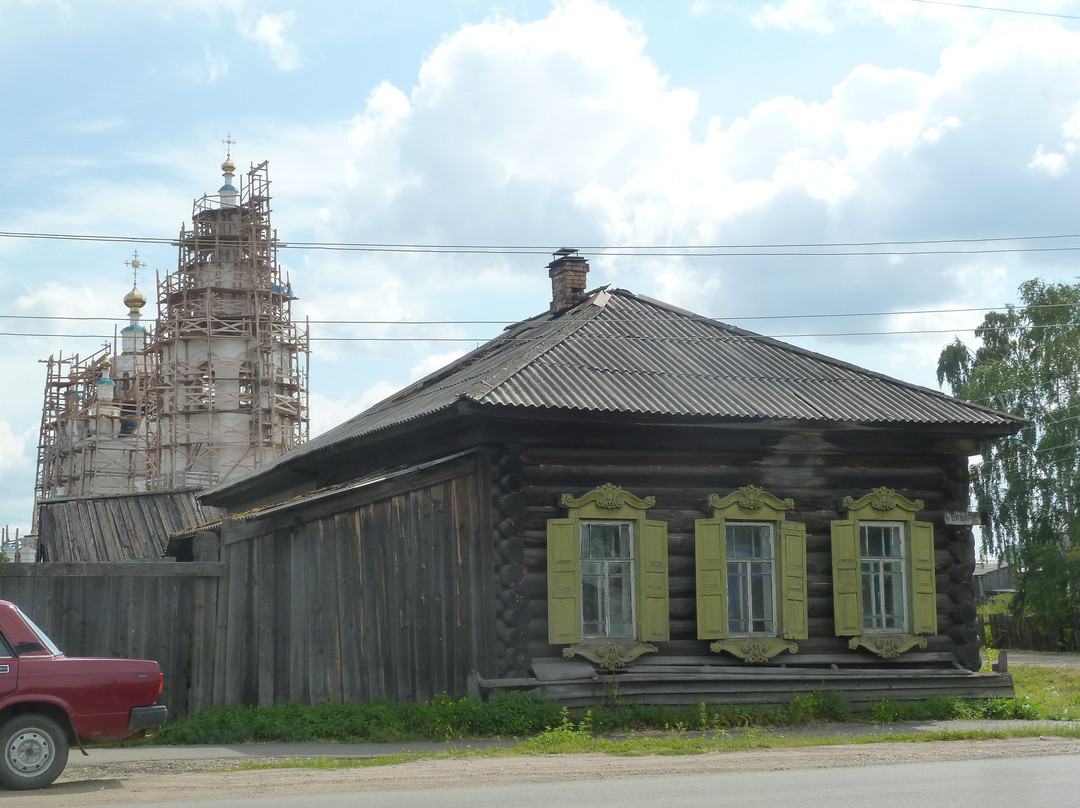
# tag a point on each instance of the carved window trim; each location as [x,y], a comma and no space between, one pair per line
[884,505]
[607,503]
[753,505]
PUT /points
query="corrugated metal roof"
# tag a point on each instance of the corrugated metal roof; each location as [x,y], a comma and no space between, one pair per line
[623,353]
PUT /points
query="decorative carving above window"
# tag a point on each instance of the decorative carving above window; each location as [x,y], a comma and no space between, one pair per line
[751,498]
[882,499]
[610,655]
[754,650]
[609,497]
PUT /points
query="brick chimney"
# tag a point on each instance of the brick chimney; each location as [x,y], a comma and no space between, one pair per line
[567,273]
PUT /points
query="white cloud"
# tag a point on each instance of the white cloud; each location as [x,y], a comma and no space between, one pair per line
[563,131]
[1053,164]
[327,412]
[925,20]
[270,31]
[812,15]
[216,65]
[13,448]
[432,363]
[95,126]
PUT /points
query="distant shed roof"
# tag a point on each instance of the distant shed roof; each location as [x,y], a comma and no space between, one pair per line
[623,353]
[122,527]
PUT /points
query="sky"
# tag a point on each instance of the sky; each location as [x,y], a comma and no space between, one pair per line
[863,178]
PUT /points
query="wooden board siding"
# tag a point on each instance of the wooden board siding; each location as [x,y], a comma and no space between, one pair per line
[377,594]
[681,467]
[141,610]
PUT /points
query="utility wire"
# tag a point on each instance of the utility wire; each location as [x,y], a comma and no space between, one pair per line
[703,318]
[824,249]
[999,10]
[612,338]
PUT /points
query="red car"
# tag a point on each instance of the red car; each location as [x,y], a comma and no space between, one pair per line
[49,701]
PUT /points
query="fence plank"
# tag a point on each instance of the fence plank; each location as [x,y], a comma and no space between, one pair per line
[137,610]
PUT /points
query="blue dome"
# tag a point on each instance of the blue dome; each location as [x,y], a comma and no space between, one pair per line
[131,328]
[106,381]
[227,187]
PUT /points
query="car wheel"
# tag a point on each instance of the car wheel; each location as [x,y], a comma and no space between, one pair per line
[33,751]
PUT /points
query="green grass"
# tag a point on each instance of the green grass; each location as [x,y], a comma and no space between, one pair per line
[624,730]
[1042,693]
[1054,692]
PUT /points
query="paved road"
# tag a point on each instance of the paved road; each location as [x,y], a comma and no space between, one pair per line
[1035,781]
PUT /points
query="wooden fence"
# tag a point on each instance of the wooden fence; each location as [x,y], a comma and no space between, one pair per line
[1007,631]
[157,610]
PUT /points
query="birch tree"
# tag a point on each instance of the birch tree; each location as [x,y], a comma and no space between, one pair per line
[1028,485]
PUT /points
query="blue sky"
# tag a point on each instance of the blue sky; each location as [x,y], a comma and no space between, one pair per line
[580,123]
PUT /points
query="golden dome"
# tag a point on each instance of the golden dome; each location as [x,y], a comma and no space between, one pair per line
[229,167]
[134,300]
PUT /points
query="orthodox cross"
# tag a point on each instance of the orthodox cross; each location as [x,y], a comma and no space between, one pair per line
[134,263]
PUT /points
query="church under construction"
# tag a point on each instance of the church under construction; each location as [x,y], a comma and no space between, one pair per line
[218,385]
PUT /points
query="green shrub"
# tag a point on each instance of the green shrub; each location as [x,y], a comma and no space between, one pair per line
[518,714]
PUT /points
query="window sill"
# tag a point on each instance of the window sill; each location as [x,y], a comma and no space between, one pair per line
[610,654]
[887,646]
[750,649]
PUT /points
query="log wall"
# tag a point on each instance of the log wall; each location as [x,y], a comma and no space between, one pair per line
[817,468]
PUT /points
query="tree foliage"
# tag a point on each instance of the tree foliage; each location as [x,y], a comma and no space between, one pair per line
[1028,485]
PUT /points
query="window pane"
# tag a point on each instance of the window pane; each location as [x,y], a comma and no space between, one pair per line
[738,598]
[591,620]
[892,544]
[883,576]
[893,594]
[622,609]
[739,541]
[761,597]
[763,541]
[599,540]
[751,589]
[607,584]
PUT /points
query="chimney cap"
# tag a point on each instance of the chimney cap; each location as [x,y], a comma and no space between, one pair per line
[564,251]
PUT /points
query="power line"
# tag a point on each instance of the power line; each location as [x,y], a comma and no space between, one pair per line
[999,10]
[612,338]
[725,319]
[776,249]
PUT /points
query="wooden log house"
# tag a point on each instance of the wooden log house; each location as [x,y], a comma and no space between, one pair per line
[614,499]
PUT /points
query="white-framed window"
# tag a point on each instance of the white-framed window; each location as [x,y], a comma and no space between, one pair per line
[884,574]
[750,573]
[607,576]
[751,578]
[883,563]
[607,579]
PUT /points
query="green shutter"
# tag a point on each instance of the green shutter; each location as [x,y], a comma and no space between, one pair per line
[923,590]
[793,624]
[653,582]
[847,589]
[564,581]
[711,563]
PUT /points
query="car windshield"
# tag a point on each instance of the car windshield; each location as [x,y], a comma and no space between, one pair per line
[42,636]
